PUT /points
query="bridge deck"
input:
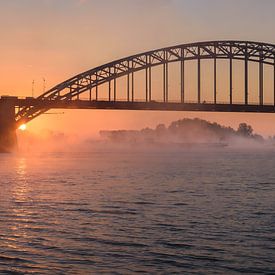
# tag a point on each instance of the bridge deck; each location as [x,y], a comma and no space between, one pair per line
[152,105]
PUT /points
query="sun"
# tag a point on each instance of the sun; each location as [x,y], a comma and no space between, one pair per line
[23,127]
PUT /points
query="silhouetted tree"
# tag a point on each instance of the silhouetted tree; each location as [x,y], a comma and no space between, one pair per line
[245,130]
[160,129]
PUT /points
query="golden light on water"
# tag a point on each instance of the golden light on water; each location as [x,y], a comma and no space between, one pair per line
[23,127]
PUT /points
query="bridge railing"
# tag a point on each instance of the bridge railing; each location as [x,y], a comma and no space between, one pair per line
[172,101]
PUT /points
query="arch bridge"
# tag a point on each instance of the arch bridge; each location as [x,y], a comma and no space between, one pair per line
[158,80]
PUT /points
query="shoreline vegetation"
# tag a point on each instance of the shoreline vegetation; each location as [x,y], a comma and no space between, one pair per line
[185,133]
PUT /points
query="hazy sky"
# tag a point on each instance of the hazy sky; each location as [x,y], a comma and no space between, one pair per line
[55,39]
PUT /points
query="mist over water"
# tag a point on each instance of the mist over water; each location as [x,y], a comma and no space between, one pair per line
[158,211]
[179,135]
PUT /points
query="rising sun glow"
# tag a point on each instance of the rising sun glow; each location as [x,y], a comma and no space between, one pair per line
[23,127]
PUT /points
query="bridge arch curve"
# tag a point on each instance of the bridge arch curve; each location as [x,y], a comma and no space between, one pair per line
[247,51]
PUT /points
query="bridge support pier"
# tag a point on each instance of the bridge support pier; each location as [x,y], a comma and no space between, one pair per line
[8,138]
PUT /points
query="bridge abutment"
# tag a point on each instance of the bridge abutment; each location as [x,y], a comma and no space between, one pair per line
[8,138]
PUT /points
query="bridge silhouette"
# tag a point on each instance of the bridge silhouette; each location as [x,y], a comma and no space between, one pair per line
[85,90]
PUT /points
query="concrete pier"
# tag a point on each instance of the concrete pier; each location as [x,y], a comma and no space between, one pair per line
[8,139]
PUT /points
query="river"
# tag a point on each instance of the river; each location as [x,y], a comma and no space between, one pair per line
[125,212]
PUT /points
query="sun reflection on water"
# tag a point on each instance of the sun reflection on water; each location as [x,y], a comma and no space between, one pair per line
[21,210]
[21,189]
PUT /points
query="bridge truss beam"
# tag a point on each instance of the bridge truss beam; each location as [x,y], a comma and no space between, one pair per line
[89,81]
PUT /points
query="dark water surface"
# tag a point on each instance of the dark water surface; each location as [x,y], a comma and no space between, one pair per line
[156,212]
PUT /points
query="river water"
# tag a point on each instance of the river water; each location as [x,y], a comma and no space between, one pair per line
[157,212]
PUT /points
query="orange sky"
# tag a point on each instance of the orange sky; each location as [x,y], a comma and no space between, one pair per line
[57,39]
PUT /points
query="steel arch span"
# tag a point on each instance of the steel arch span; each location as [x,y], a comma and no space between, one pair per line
[67,94]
